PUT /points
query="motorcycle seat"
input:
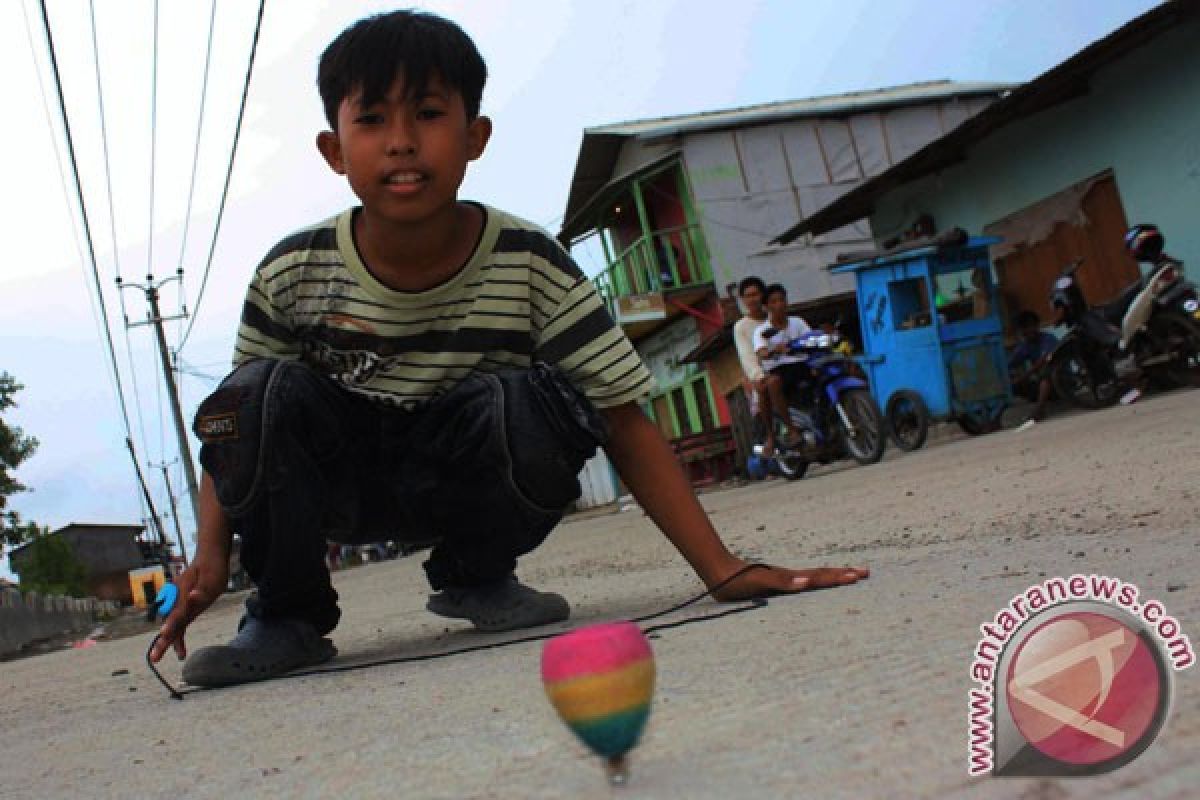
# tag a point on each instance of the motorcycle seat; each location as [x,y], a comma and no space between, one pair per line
[1098,328]
[1114,310]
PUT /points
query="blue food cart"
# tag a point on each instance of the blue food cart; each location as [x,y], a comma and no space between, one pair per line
[932,338]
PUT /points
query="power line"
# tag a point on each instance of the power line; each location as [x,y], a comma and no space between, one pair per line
[133,381]
[112,210]
[112,219]
[153,147]
[62,175]
[187,216]
[192,370]
[87,228]
[237,131]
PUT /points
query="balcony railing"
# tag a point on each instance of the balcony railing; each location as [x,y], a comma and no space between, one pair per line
[673,258]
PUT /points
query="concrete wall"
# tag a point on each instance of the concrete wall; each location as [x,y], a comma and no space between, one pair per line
[660,352]
[1141,119]
[29,618]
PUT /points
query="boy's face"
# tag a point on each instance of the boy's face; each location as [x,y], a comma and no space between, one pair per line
[752,299]
[405,157]
[777,305]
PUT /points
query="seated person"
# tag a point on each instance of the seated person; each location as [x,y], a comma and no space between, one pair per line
[751,291]
[843,347]
[981,301]
[772,351]
[1028,362]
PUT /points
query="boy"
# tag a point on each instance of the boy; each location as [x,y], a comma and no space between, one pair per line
[843,347]
[751,291]
[422,364]
[772,350]
[1027,365]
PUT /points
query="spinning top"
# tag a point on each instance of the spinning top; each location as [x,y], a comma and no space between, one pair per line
[600,679]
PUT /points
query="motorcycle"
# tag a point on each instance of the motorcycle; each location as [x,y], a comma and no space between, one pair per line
[1159,317]
[832,409]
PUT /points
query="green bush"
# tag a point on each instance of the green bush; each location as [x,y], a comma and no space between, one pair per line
[52,568]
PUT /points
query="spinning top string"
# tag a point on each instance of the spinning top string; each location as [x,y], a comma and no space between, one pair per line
[750,605]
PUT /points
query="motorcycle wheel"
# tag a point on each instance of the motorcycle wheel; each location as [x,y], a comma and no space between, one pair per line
[1181,341]
[1075,381]
[791,467]
[790,464]
[870,439]
[907,420]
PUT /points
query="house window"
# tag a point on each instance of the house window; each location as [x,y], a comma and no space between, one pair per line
[704,408]
[686,408]
[679,402]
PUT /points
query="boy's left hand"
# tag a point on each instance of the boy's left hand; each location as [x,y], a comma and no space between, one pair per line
[770,580]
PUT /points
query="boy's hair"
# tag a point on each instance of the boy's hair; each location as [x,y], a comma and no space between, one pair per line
[1027,319]
[774,289]
[372,53]
[751,280]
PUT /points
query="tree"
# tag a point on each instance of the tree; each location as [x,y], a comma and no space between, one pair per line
[51,567]
[15,447]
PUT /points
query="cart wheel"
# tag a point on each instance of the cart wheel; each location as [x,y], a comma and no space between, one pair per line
[981,421]
[907,419]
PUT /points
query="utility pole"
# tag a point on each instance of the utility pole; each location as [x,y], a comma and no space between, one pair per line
[156,319]
[174,511]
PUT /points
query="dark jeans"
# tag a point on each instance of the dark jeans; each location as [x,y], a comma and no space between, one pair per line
[486,470]
[797,385]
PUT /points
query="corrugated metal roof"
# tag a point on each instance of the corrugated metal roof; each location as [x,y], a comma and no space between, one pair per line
[1062,83]
[602,144]
[828,106]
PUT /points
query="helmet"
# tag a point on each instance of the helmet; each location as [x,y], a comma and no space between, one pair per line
[1144,242]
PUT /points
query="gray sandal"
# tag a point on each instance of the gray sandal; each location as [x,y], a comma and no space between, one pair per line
[262,649]
[502,606]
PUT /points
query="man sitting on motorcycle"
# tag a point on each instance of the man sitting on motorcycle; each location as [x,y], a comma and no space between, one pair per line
[752,292]
[1027,365]
[772,351]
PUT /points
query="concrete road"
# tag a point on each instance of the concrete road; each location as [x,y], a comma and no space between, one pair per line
[855,692]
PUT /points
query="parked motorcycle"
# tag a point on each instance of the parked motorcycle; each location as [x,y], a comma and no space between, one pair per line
[1161,335]
[832,409]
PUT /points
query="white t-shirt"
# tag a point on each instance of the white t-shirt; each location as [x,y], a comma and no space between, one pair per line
[743,339]
[796,328]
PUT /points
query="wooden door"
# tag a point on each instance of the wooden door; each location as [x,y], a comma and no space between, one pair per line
[1027,274]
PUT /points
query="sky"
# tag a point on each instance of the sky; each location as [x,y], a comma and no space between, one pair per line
[555,67]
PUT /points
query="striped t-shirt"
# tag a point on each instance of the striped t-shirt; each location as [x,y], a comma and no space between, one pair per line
[519,298]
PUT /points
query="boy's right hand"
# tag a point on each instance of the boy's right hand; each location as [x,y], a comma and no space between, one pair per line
[199,586]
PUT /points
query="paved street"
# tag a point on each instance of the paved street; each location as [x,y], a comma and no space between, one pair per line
[856,692]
